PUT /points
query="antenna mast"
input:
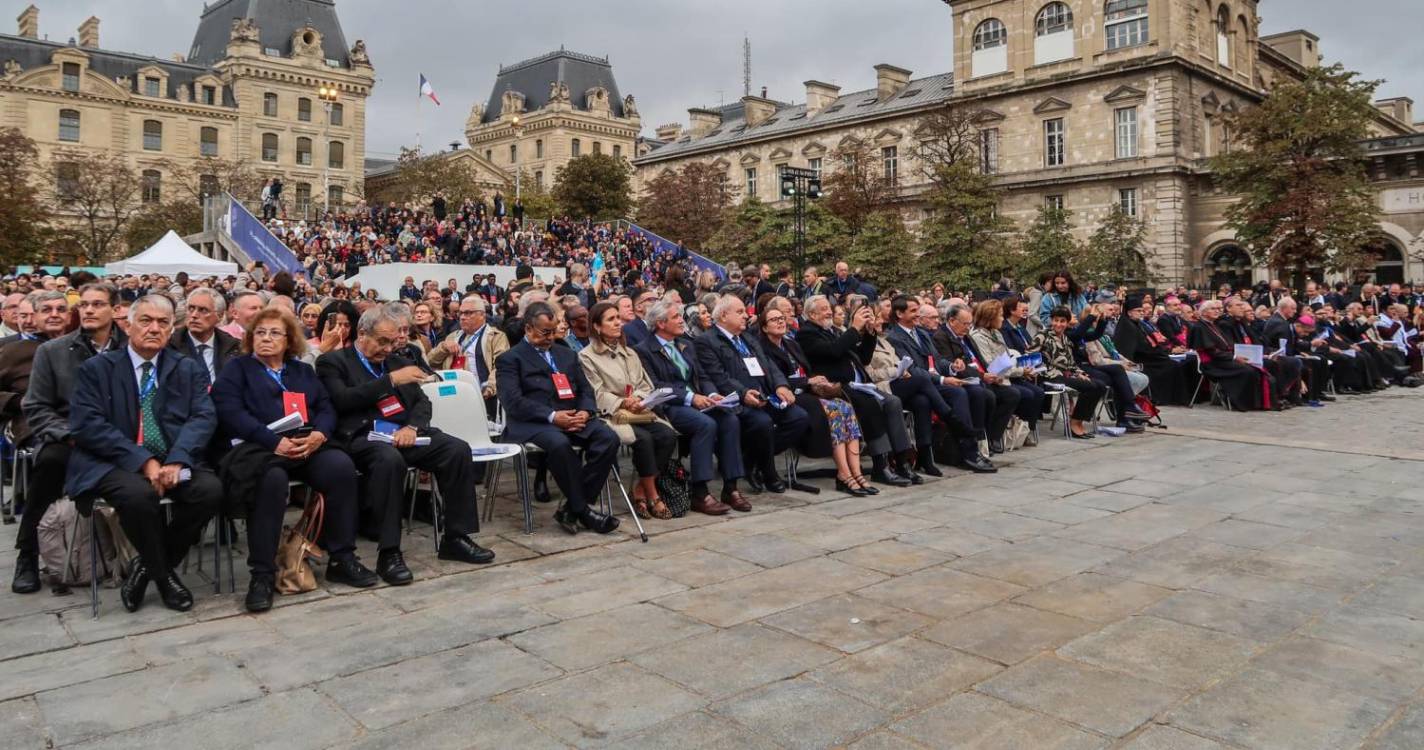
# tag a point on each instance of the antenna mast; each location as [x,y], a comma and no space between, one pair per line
[746,66]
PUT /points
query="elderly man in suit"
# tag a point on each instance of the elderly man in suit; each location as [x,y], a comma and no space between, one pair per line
[367,384]
[474,346]
[951,339]
[140,418]
[670,361]
[200,337]
[731,362]
[548,402]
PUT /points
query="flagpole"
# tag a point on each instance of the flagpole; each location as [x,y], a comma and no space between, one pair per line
[418,115]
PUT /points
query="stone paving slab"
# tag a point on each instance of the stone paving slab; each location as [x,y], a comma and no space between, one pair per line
[973,720]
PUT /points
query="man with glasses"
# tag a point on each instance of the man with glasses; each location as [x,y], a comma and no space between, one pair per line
[636,330]
[373,390]
[548,402]
[200,338]
[23,316]
[474,346]
[9,326]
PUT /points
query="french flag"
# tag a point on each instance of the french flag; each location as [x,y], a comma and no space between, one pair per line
[427,90]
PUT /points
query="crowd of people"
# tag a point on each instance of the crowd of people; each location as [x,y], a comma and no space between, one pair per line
[140,390]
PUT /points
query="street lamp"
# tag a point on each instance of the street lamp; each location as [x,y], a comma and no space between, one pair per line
[798,185]
[518,132]
[328,96]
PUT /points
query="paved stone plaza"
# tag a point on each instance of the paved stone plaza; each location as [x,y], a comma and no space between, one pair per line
[1201,588]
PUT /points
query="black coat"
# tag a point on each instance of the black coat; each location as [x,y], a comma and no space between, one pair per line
[526,390]
[722,366]
[791,362]
[838,356]
[248,399]
[355,394]
[225,348]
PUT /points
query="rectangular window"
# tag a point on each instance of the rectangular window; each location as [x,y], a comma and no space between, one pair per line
[66,181]
[617,151]
[210,95]
[269,105]
[208,142]
[152,186]
[338,115]
[1125,125]
[1126,23]
[336,155]
[1053,154]
[751,181]
[304,198]
[576,147]
[1053,202]
[1127,201]
[304,110]
[304,151]
[890,164]
[539,148]
[335,195]
[597,147]
[989,151]
[71,76]
[150,86]
[269,147]
[69,125]
[152,135]
[513,153]
[539,179]
[815,166]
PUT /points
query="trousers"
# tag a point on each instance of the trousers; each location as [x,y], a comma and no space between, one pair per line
[161,542]
[328,471]
[716,433]
[384,468]
[580,481]
[46,486]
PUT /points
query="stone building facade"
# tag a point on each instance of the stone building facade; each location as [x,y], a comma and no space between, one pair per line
[247,91]
[1085,104]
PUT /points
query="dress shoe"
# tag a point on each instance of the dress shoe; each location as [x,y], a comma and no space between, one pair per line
[1080,435]
[1135,414]
[864,484]
[259,593]
[775,485]
[133,589]
[884,476]
[980,465]
[996,446]
[1326,397]
[391,567]
[928,468]
[27,574]
[597,522]
[754,484]
[1133,427]
[566,520]
[461,548]
[541,491]
[708,505]
[850,489]
[736,501]
[175,595]
[351,572]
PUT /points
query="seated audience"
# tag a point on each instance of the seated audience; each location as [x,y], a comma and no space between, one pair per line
[987,337]
[1062,368]
[200,338]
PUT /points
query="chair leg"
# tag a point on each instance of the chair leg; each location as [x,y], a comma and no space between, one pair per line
[521,468]
[93,564]
[437,512]
[231,574]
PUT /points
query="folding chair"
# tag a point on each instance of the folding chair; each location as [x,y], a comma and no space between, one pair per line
[605,499]
[464,376]
[1059,401]
[458,410]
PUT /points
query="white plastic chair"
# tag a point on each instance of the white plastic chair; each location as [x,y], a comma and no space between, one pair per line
[496,425]
[458,410]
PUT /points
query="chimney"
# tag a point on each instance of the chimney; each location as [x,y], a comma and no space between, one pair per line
[820,95]
[30,22]
[89,33]
[1400,108]
[889,80]
[700,122]
[1300,45]
[669,132]
[758,109]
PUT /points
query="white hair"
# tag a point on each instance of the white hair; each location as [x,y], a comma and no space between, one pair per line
[219,304]
[155,300]
[725,303]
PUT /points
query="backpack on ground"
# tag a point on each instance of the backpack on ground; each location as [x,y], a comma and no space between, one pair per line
[65,548]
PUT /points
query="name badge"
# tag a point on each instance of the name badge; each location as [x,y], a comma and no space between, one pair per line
[753,367]
[390,406]
[458,363]
[562,385]
[295,403]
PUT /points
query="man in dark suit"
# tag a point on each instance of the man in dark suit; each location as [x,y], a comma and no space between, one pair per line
[730,362]
[548,402]
[200,338]
[141,418]
[1310,373]
[998,397]
[635,330]
[668,357]
[367,385]
[967,416]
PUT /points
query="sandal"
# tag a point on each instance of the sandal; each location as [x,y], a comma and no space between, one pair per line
[640,506]
[660,509]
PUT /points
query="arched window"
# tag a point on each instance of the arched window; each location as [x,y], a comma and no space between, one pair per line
[269,147]
[1053,34]
[152,186]
[991,49]
[1126,23]
[304,109]
[304,151]
[208,142]
[1389,264]
[69,125]
[152,135]
[1229,264]
[1223,36]
[336,155]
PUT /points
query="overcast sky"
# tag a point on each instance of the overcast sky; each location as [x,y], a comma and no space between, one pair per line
[676,55]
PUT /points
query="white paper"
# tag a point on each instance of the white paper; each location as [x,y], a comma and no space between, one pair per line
[1252,353]
[902,368]
[728,401]
[381,437]
[867,388]
[290,422]
[1348,352]
[1001,364]
[657,398]
[1283,346]
[970,381]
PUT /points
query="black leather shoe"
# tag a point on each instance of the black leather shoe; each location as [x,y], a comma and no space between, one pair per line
[27,574]
[910,476]
[175,595]
[597,522]
[850,489]
[463,549]
[754,485]
[1135,414]
[1133,427]
[259,593]
[775,485]
[541,491]
[885,477]
[980,465]
[928,468]
[391,567]
[996,446]
[566,520]
[351,572]
[133,589]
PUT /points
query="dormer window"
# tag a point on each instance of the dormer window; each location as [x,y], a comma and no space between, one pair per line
[70,73]
[152,86]
[991,49]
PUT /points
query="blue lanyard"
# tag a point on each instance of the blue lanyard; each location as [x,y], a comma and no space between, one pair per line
[466,337]
[276,375]
[367,364]
[148,384]
[741,348]
[548,355]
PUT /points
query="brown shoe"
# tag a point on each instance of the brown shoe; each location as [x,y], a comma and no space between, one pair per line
[738,503]
[709,505]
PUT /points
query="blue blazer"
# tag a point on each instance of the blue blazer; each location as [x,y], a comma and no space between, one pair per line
[104,416]
[663,372]
[248,399]
[636,332]
[723,368]
[526,389]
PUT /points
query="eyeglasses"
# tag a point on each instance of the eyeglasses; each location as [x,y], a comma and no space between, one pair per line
[776,319]
[269,333]
[195,310]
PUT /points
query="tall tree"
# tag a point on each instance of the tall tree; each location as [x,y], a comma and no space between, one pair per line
[884,254]
[197,179]
[539,203]
[687,205]
[856,187]
[101,192]
[1114,253]
[1303,196]
[24,222]
[1048,244]
[154,220]
[419,177]
[595,186]
[754,232]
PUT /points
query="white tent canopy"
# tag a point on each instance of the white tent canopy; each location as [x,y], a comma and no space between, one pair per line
[169,256]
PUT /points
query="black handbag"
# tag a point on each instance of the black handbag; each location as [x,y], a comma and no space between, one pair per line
[672,485]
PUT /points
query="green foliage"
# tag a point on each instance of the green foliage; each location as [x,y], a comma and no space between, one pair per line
[419,177]
[1048,244]
[964,241]
[539,203]
[1304,198]
[596,186]
[886,253]
[754,232]
[688,205]
[1114,253]
[24,223]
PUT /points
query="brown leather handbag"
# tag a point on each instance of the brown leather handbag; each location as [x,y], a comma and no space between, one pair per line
[294,573]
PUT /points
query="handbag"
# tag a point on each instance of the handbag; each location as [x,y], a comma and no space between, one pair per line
[623,416]
[294,573]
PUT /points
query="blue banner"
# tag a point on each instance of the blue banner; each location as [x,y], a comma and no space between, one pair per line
[260,244]
[702,262]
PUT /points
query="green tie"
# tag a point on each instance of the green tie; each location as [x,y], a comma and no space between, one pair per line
[153,440]
[677,359]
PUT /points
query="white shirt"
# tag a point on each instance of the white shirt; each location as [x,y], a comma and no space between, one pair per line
[208,354]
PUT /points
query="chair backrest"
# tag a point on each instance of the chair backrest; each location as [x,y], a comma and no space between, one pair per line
[464,376]
[458,409]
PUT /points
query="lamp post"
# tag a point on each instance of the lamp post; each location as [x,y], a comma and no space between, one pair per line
[798,185]
[518,132]
[328,95]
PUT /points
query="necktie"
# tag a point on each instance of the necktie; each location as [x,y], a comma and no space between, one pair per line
[153,440]
[676,358]
[203,355]
[741,348]
[549,357]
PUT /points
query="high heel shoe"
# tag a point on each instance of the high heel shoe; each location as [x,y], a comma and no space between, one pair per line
[864,484]
[842,485]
